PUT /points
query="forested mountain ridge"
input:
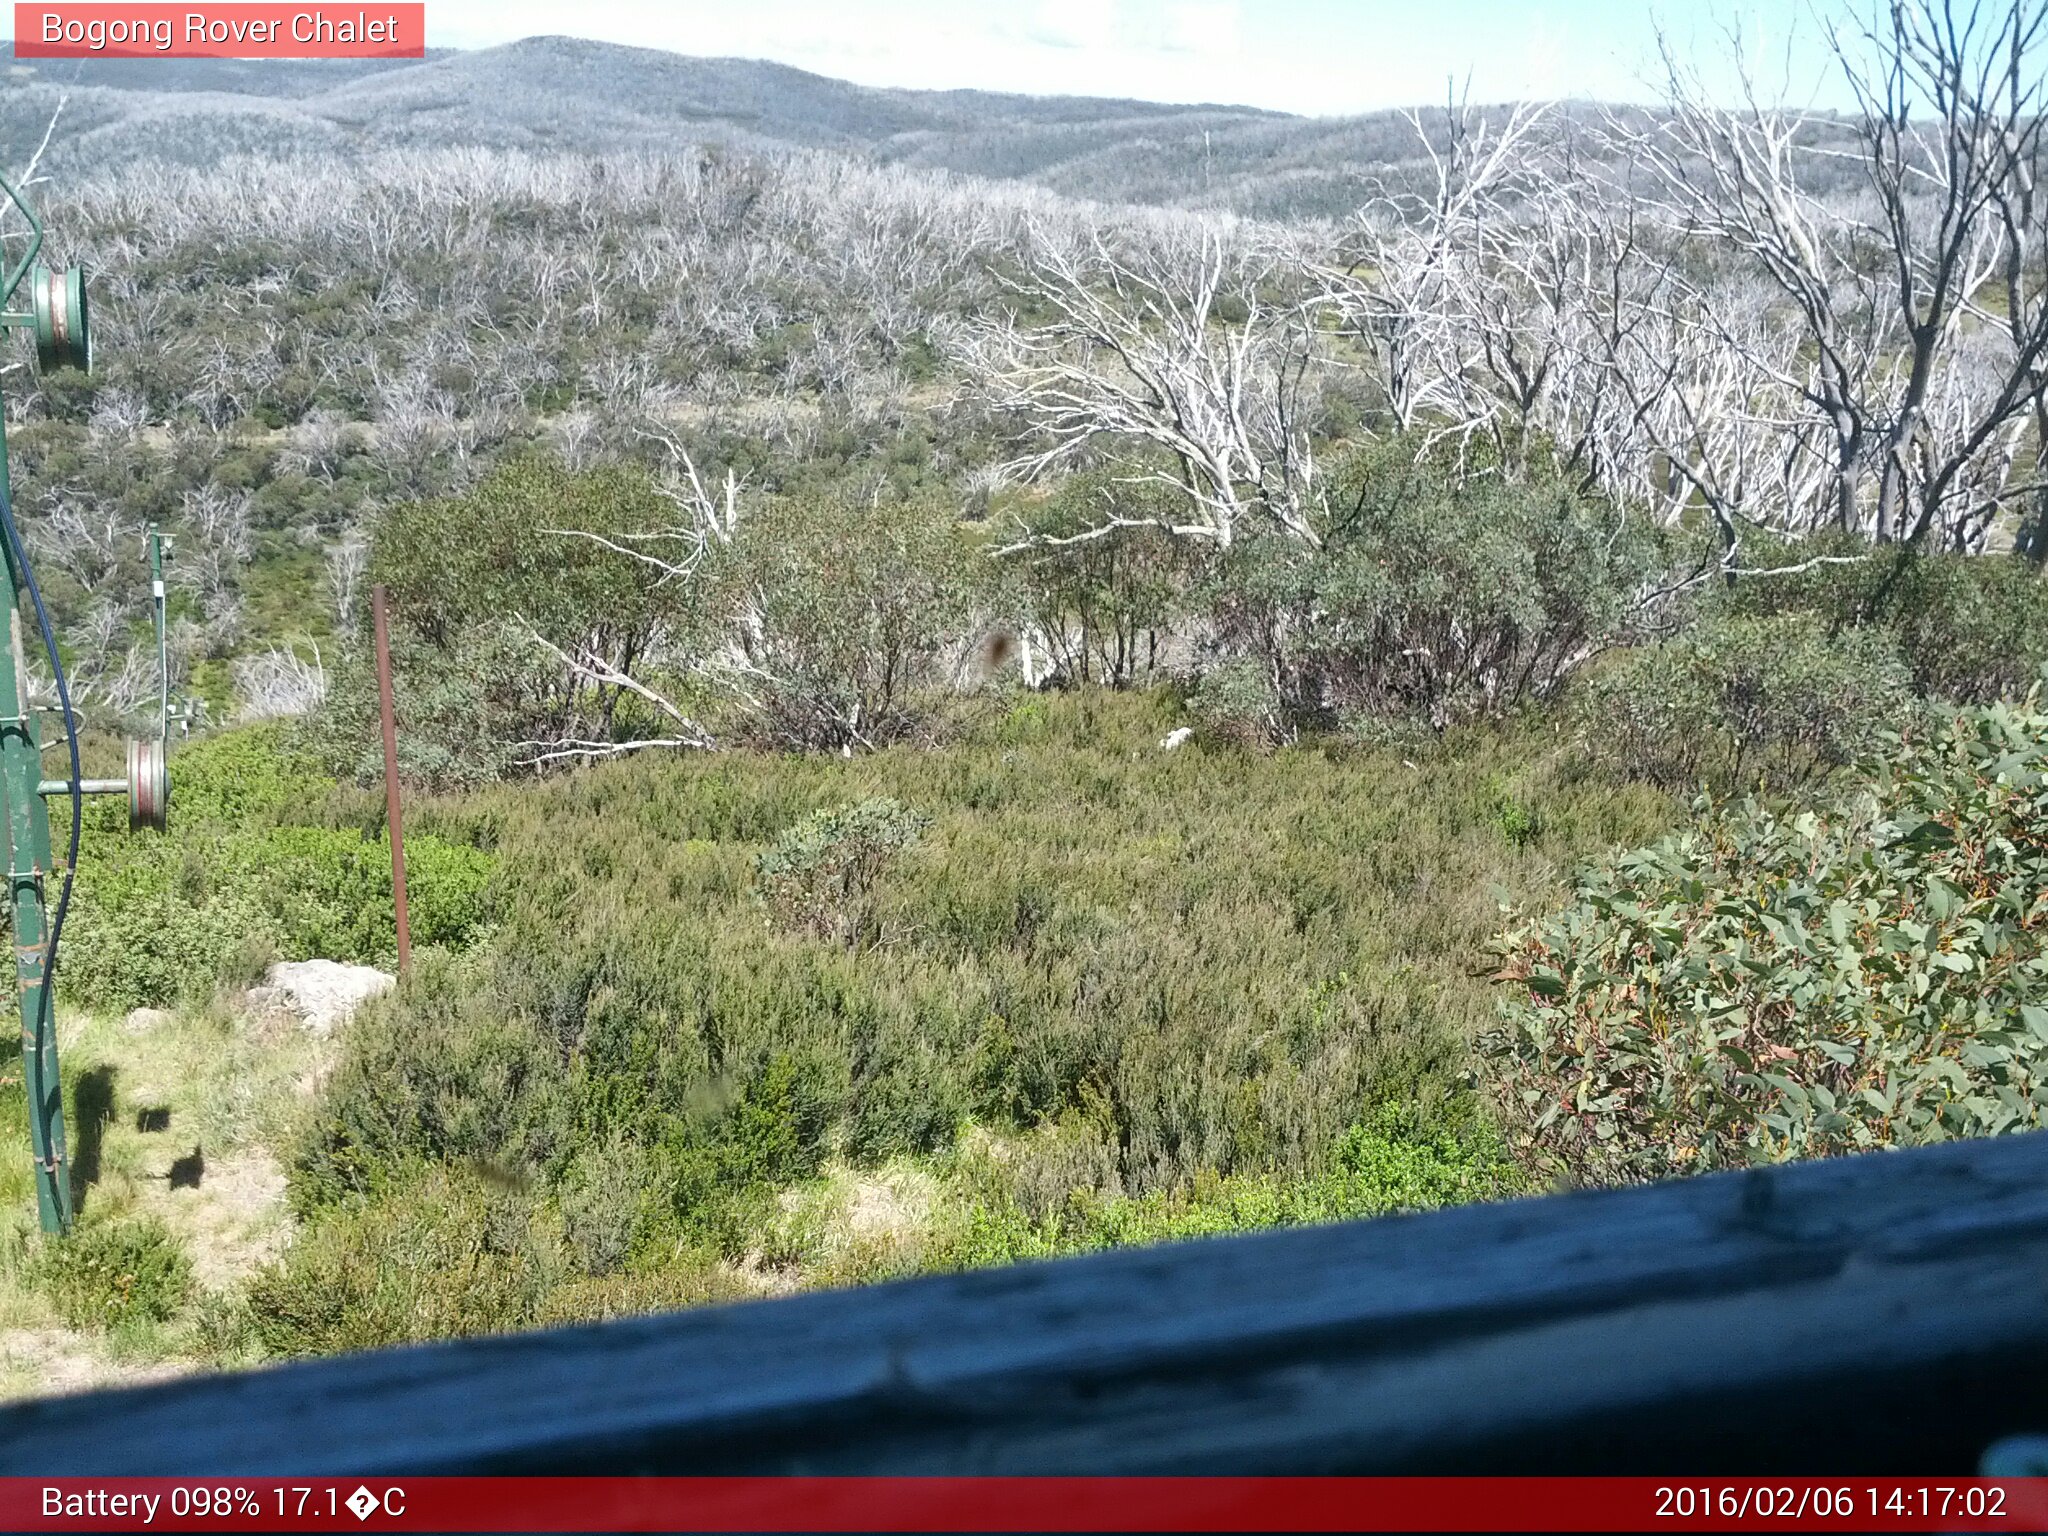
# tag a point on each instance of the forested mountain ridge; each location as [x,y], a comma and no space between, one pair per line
[559,93]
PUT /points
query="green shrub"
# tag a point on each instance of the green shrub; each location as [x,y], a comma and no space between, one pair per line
[679,1284]
[449,1078]
[1238,703]
[1218,956]
[1735,700]
[1407,1157]
[1103,604]
[224,1330]
[1194,966]
[458,563]
[775,1134]
[530,554]
[1520,820]
[847,613]
[817,875]
[159,919]
[440,1254]
[1436,597]
[1765,985]
[1398,1158]
[466,707]
[141,933]
[106,1274]
[330,891]
[616,1201]
[1970,628]
[238,778]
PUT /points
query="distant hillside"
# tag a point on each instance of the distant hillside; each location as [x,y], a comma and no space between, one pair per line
[566,93]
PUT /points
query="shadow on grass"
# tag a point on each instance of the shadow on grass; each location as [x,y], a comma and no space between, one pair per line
[92,1108]
[187,1171]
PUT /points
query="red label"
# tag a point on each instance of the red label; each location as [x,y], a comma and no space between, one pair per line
[147,1505]
[262,31]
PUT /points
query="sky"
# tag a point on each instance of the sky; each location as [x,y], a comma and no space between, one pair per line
[1316,57]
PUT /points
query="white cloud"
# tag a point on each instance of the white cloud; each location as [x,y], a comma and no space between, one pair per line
[1201,26]
[1072,23]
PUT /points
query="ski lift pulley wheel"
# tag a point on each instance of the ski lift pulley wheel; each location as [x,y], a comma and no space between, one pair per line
[149,786]
[62,325]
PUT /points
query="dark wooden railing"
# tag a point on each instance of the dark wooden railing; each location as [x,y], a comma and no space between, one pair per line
[1877,1314]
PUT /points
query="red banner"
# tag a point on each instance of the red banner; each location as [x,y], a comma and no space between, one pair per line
[1022,1504]
[239,31]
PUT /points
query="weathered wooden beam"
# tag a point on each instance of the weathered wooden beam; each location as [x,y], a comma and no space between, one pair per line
[1884,1313]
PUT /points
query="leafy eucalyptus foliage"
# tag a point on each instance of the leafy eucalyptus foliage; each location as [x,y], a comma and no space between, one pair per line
[1737,700]
[1968,628]
[842,616]
[521,618]
[1105,602]
[1437,596]
[1767,984]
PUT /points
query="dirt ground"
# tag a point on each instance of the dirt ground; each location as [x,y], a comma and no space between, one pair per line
[189,1114]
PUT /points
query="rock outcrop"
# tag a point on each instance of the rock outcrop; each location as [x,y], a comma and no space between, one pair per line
[322,994]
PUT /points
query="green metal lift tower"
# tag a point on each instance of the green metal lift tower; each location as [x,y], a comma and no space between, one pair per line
[55,314]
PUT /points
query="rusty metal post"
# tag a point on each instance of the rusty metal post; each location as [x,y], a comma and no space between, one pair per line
[391,814]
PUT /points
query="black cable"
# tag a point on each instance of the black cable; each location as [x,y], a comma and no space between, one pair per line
[28,577]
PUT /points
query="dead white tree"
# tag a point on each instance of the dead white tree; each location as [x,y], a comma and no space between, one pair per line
[108,672]
[348,561]
[280,683]
[1172,357]
[591,667]
[118,412]
[1424,263]
[89,538]
[1881,285]
[2015,194]
[1711,418]
[12,226]
[319,445]
[1963,477]
[212,559]
[708,522]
